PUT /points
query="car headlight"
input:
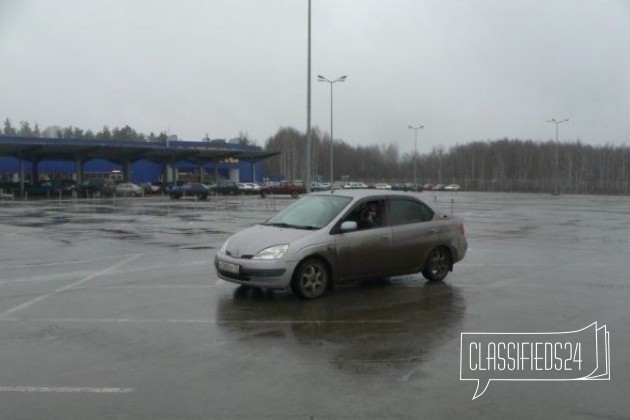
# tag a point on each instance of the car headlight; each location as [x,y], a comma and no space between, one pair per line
[224,246]
[271,253]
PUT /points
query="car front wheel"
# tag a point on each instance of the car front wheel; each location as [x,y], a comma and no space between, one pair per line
[311,279]
[438,265]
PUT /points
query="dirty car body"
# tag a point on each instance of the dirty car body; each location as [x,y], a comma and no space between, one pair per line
[322,240]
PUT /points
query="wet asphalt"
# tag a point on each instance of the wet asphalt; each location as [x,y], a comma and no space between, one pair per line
[113,310]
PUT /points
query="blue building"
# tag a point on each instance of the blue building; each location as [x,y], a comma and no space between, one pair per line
[33,159]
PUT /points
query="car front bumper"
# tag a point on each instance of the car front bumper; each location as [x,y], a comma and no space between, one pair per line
[268,274]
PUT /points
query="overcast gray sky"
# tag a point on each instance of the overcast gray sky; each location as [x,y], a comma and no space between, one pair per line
[467,70]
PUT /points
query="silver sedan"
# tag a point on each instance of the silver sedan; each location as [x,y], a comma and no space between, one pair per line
[343,235]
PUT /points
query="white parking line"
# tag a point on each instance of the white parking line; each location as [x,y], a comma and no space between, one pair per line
[159,286]
[75,262]
[67,287]
[64,389]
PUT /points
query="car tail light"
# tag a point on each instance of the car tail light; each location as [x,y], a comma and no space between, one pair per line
[462,230]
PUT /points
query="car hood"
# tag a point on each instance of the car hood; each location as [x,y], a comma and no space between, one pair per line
[252,240]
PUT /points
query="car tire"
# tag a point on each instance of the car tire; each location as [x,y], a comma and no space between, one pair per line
[310,279]
[439,263]
[294,194]
[264,194]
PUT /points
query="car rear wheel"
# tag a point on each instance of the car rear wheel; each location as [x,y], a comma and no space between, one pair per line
[294,194]
[438,264]
[311,279]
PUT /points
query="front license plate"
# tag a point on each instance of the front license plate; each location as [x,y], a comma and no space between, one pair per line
[228,267]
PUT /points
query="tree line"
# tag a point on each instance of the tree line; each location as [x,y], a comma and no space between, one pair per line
[126,133]
[510,165]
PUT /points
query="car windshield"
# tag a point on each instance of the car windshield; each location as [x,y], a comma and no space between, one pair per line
[310,212]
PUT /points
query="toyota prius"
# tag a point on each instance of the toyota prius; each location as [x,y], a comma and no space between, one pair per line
[328,238]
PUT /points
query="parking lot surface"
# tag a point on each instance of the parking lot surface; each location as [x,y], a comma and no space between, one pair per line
[113,310]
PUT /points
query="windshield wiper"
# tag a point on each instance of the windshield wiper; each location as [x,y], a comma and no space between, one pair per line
[284,225]
[308,227]
[287,225]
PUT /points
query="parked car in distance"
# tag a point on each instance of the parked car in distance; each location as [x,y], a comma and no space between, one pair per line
[248,188]
[292,188]
[254,188]
[439,187]
[52,188]
[407,186]
[452,187]
[328,238]
[354,185]
[382,186]
[191,189]
[410,186]
[129,189]
[225,188]
[97,187]
[151,187]
[318,186]
[243,189]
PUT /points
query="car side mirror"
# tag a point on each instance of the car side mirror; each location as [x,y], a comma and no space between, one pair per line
[349,226]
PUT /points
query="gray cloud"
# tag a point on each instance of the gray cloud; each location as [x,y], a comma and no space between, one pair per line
[467,70]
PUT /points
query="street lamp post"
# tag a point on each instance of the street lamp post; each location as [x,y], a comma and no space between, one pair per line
[309,140]
[321,78]
[557,168]
[415,153]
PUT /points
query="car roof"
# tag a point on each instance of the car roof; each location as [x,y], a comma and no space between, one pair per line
[360,194]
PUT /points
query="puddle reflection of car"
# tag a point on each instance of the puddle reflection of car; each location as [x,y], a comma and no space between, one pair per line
[388,328]
[332,237]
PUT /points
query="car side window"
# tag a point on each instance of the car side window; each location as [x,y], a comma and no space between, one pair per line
[367,214]
[404,211]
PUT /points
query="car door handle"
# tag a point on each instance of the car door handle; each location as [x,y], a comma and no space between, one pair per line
[432,231]
[385,237]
